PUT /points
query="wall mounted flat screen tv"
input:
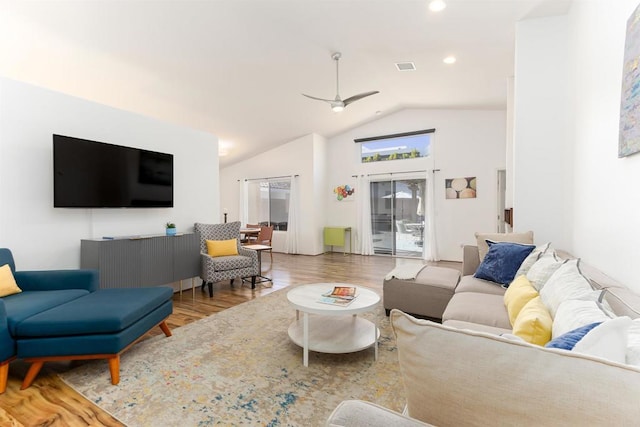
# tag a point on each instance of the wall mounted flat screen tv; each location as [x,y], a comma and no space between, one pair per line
[91,174]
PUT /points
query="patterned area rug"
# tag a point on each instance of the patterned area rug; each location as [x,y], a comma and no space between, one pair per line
[239,367]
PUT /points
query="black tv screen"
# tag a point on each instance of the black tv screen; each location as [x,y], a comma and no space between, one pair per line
[91,174]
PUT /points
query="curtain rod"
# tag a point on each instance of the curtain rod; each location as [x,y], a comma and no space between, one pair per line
[269,177]
[391,173]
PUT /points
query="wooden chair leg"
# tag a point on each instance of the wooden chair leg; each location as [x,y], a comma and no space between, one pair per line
[4,376]
[114,368]
[32,373]
[210,285]
[253,282]
[165,329]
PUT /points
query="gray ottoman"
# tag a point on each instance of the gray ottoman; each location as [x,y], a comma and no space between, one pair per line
[427,295]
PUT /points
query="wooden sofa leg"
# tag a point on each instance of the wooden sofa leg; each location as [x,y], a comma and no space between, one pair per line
[4,376]
[165,328]
[32,373]
[114,369]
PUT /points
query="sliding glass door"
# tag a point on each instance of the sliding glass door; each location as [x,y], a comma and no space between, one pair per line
[397,217]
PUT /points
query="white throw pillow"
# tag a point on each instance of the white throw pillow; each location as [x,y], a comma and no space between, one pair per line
[542,269]
[633,343]
[607,340]
[532,258]
[566,283]
[574,313]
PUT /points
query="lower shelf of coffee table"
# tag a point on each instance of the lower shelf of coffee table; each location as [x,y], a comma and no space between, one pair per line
[335,334]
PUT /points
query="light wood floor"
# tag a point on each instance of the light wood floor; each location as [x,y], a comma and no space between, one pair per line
[50,402]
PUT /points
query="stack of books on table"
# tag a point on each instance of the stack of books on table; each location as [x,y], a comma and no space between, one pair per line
[340,295]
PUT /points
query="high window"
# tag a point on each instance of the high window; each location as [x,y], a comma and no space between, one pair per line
[409,145]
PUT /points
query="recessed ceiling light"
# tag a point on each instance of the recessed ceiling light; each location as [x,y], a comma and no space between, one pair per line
[449,60]
[437,5]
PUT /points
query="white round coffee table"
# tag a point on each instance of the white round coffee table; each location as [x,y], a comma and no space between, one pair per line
[332,329]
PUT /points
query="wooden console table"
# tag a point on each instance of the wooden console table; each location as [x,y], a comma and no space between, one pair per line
[142,261]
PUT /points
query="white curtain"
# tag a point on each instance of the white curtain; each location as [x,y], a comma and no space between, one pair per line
[365,237]
[430,252]
[291,245]
[243,208]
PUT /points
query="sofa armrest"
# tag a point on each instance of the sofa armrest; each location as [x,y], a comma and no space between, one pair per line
[7,344]
[357,413]
[470,260]
[50,280]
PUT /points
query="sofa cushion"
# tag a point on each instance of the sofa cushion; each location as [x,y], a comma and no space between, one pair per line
[568,340]
[354,413]
[460,324]
[103,311]
[532,258]
[8,285]
[28,303]
[566,283]
[519,293]
[572,314]
[472,307]
[543,268]
[483,247]
[472,284]
[607,340]
[513,383]
[502,261]
[633,343]
[533,324]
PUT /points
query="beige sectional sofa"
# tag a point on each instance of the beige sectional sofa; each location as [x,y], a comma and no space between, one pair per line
[470,371]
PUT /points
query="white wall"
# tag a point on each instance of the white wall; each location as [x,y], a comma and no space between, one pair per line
[541,155]
[297,157]
[466,143]
[42,237]
[606,228]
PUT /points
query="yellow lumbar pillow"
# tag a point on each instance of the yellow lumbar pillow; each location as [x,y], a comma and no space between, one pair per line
[222,247]
[534,323]
[8,285]
[519,292]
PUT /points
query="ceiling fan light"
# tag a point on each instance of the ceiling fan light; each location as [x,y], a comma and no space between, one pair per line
[337,108]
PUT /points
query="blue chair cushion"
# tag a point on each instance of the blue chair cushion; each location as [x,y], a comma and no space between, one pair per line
[29,303]
[101,312]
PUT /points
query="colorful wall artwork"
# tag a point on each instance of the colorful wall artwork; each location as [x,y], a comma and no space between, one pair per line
[343,192]
[460,188]
[629,138]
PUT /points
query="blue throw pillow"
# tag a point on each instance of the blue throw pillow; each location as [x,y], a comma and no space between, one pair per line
[503,261]
[568,340]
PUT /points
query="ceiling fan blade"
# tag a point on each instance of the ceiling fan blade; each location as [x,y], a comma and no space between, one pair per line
[359,96]
[319,99]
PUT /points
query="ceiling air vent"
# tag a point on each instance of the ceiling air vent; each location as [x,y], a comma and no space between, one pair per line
[405,66]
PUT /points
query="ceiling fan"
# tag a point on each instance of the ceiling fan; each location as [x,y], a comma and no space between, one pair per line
[338,104]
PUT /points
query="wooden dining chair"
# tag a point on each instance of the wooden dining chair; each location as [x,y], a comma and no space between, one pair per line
[264,238]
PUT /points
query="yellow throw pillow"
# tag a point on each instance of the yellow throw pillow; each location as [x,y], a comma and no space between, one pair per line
[222,247]
[519,292]
[8,285]
[534,323]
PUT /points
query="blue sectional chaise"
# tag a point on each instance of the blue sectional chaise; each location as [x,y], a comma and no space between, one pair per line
[63,315]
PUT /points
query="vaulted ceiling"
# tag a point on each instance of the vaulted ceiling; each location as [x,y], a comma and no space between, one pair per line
[237,68]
